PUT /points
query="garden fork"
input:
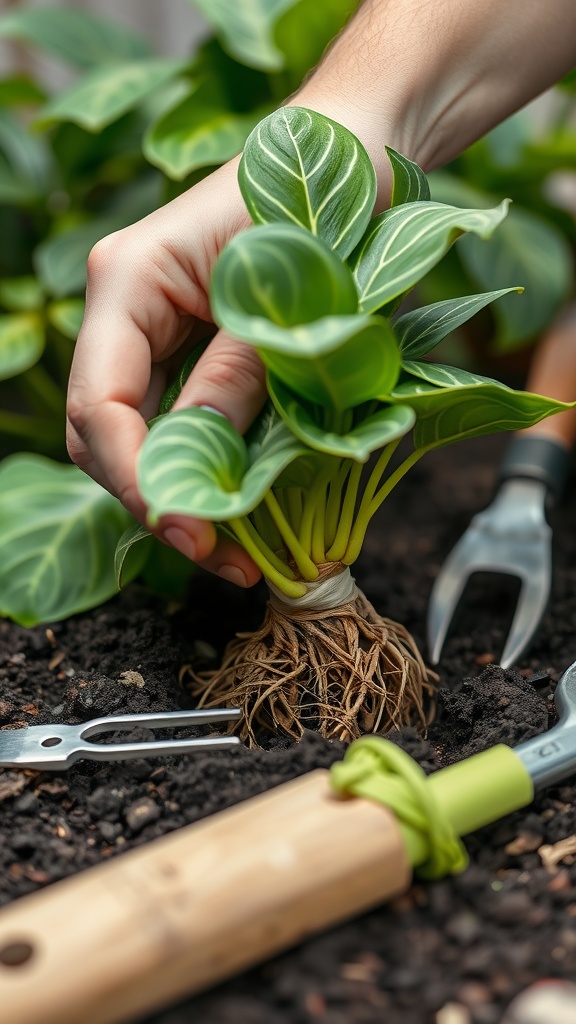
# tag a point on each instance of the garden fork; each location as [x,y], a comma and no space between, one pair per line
[512,536]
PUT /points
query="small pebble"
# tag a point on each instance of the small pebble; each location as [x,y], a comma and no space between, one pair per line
[141,813]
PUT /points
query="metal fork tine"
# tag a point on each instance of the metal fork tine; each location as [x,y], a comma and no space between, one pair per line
[446,593]
[527,617]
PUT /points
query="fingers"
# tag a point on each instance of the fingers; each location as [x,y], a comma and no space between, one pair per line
[147,291]
[228,377]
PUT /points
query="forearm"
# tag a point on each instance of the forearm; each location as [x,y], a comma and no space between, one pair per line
[429,77]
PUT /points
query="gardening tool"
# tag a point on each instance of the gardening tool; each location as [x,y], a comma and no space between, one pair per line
[205,902]
[512,535]
[59,746]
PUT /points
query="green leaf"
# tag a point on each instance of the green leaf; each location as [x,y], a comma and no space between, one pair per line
[195,463]
[21,294]
[21,343]
[357,441]
[422,329]
[246,30]
[74,37]
[409,183]
[283,291]
[402,244]
[58,533]
[60,261]
[66,316]
[278,276]
[131,536]
[106,93]
[452,404]
[365,365]
[173,390]
[20,89]
[301,167]
[528,249]
[25,164]
[196,133]
[304,31]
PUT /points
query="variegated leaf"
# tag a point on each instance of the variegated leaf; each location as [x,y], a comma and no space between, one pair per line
[247,29]
[276,286]
[58,532]
[402,244]
[357,439]
[409,183]
[451,405]
[132,535]
[195,463]
[197,132]
[299,166]
[108,92]
[420,330]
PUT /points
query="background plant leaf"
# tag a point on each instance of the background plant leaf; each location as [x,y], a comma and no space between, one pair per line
[106,93]
[66,316]
[402,244]
[75,37]
[197,132]
[246,30]
[303,168]
[21,343]
[58,533]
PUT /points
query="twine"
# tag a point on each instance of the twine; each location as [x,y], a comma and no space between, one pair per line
[379,770]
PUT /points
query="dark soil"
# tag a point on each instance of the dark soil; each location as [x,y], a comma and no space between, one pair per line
[474,940]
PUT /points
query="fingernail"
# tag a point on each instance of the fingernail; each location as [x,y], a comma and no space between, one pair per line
[233,574]
[182,541]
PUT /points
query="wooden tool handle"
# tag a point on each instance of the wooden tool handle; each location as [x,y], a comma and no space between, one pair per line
[553,373]
[196,906]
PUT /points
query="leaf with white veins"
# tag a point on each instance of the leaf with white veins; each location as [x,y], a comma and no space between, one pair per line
[195,463]
[58,533]
[401,245]
[420,330]
[409,183]
[303,168]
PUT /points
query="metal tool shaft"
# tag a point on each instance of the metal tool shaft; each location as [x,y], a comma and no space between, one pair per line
[551,757]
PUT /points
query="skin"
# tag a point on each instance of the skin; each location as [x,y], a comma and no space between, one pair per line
[427,77]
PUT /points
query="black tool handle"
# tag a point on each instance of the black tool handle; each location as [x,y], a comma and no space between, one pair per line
[537,458]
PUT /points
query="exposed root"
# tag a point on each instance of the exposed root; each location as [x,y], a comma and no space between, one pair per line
[343,672]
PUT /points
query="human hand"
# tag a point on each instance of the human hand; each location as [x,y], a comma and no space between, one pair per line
[147,303]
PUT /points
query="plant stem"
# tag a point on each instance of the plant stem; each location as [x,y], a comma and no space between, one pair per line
[309,511]
[269,564]
[294,499]
[318,529]
[334,502]
[305,565]
[364,517]
[346,520]
[265,527]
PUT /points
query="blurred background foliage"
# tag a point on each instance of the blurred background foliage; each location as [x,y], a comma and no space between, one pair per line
[129,130]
